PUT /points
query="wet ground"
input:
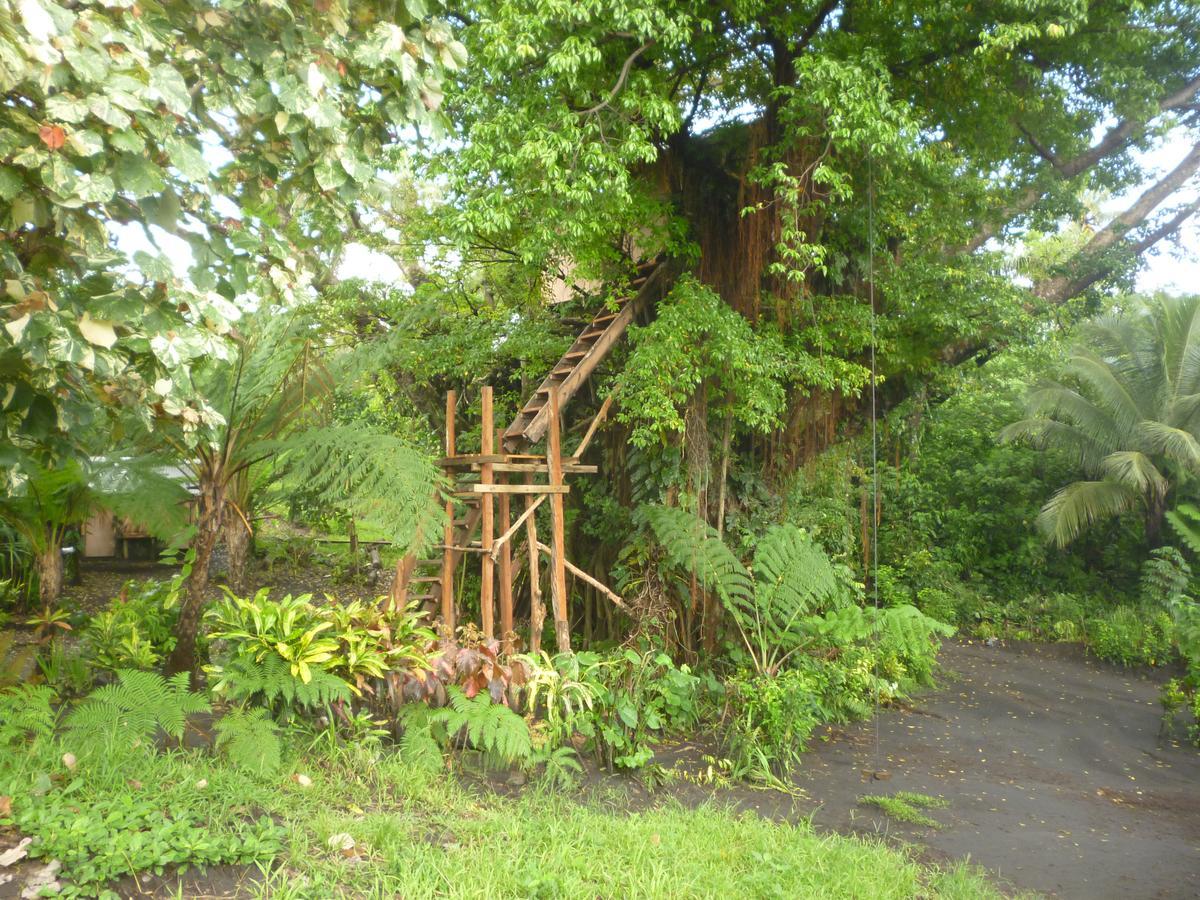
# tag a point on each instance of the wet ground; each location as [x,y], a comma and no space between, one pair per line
[1050,760]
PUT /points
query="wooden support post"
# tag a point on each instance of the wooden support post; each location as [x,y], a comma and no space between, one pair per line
[558,571]
[537,611]
[448,534]
[506,566]
[487,600]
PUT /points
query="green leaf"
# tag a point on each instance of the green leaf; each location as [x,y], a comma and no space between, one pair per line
[168,85]
[86,143]
[104,110]
[187,159]
[329,173]
[139,176]
[66,108]
[628,713]
[127,141]
[10,183]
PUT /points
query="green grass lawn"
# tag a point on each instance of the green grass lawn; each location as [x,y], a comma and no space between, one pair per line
[426,834]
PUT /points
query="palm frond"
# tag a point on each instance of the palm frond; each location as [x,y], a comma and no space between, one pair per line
[1060,402]
[1083,503]
[1136,470]
[1175,443]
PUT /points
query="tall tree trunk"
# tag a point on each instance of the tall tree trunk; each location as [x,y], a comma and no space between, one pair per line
[237,543]
[49,567]
[211,518]
[1155,514]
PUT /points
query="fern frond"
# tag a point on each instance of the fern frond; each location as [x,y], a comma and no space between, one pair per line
[26,713]
[1185,522]
[792,577]
[693,546]
[250,739]
[490,727]
[135,707]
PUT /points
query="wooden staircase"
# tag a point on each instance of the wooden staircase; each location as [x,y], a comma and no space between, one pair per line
[582,357]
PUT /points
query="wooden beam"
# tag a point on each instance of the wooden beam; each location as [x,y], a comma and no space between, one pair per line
[541,468]
[487,585]
[596,583]
[470,459]
[558,572]
[530,509]
[506,569]
[487,488]
[537,611]
[448,535]
[597,421]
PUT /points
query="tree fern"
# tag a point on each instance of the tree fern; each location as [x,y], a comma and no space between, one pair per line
[368,475]
[26,713]
[135,708]
[418,747]
[1165,577]
[693,546]
[250,739]
[907,631]
[1185,522]
[491,727]
[793,577]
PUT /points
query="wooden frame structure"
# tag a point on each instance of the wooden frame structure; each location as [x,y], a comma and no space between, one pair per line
[486,483]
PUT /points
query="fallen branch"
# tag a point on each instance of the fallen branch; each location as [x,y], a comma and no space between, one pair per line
[504,538]
[584,576]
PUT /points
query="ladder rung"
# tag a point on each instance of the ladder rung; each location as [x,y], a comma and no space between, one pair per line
[588,335]
[607,317]
[563,370]
[574,354]
[426,579]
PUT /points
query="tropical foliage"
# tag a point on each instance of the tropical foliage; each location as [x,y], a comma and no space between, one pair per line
[1127,411]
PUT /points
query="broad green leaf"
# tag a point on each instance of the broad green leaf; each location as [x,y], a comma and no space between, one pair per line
[187,159]
[86,143]
[168,85]
[66,108]
[139,176]
[11,183]
[97,331]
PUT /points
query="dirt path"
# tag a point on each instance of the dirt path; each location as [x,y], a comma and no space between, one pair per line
[1052,766]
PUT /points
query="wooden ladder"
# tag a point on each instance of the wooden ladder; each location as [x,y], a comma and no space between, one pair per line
[582,357]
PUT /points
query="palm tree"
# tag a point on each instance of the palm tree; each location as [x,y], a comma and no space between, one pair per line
[1127,408]
[42,497]
[272,399]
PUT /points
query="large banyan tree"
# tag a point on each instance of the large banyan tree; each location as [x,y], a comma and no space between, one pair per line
[803,159]
[753,134]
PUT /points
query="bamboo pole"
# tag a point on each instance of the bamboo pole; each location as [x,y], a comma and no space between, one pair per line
[448,534]
[558,572]
[506,566]
[487,587]
[537,611]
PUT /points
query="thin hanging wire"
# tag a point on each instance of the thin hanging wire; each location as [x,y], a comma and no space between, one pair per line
[874,444]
